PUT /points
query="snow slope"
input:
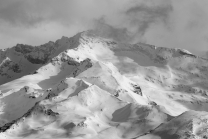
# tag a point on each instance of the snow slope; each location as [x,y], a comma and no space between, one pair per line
[92,87]
[25,59]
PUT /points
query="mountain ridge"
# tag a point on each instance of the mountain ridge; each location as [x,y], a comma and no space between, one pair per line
[89,86]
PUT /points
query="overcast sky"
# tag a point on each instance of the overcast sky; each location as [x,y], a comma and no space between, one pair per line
[166,23]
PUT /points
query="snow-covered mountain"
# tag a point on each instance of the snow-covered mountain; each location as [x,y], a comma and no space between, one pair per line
[92,87]
[23,59]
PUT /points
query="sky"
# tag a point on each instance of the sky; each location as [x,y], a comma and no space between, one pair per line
[165,23]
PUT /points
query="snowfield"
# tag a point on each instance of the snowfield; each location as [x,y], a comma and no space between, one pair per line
[92,87]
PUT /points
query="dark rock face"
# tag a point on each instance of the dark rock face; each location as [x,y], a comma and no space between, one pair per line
[117,93]
[152,103]
[82,124]
[137,89]
[159,59]
[36,55]
[64,58]
[73,63]
[51,95]
[89,63]
[8,125]
[187,54]
[35,108]
[37,60]
[50,112]
[15,68]
[9,65]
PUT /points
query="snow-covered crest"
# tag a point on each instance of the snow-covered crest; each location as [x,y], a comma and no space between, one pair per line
[89,86]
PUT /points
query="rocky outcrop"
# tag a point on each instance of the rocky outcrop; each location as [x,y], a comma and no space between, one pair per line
[137,89]
[9,66]
[63,57]
[34,109]
[36,55]
[184,52]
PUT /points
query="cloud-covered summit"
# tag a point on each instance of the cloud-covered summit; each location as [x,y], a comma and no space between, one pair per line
[166,23]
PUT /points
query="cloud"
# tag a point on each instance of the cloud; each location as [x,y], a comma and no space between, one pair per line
[134,19]
[188,27]
[105,30]
[166,23]
[22,20]
[205,55]
[19,13]
[143,16]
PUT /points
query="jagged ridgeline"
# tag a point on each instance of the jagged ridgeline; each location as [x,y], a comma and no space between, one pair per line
[92,87]
[24,59]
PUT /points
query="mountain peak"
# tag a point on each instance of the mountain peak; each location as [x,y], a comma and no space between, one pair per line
[90,86]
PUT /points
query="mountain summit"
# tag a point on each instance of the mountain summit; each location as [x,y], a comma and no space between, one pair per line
[93,87]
